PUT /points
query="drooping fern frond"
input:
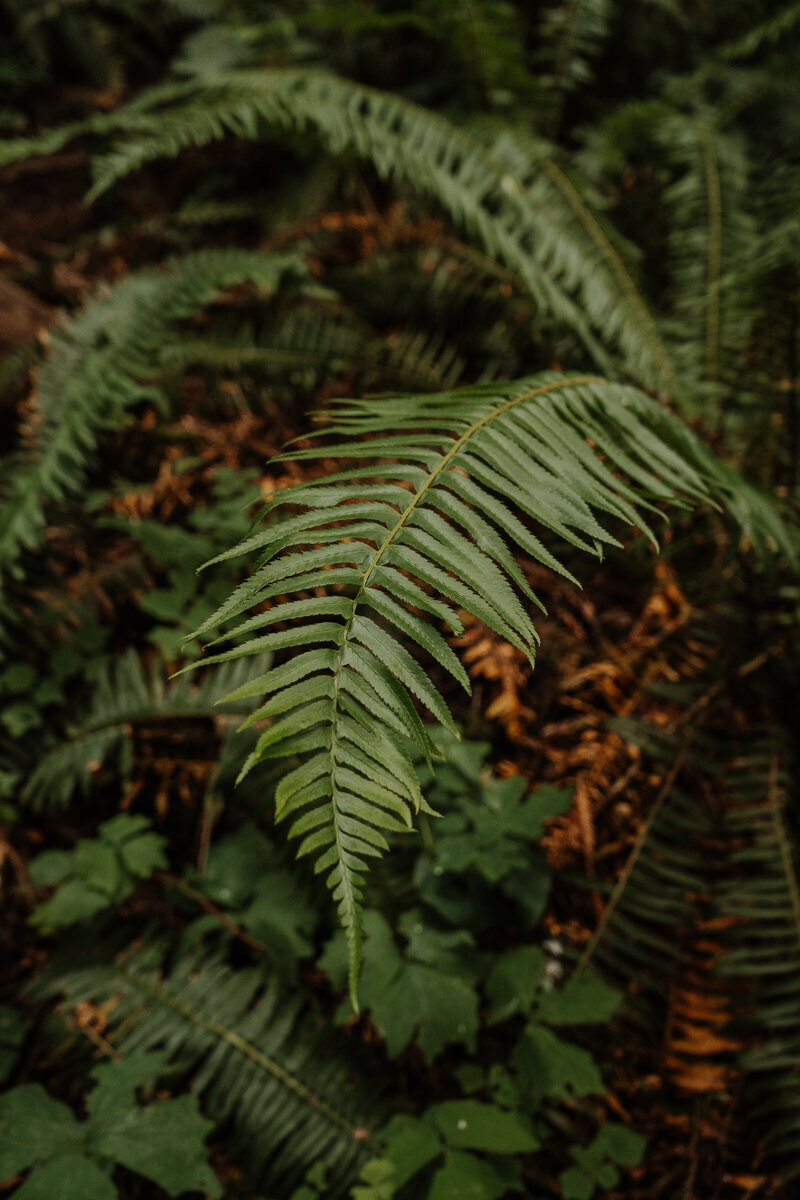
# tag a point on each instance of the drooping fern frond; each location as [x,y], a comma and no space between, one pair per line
[125,697]
[434,529]
[535,163]
[570,280]
[103,362]
[763,899]
[261,1070]
[654,896]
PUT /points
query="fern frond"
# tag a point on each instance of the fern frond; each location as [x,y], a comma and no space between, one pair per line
[124,697]
[313,343]
[488,40]
[433,530]
[782,24]
[711,241]
[763,898]
[652,900]
[570,282]
[260,1068]
[103,362]
[575,31]
[580,239]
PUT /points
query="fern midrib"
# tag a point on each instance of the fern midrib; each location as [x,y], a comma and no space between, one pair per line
[416,499]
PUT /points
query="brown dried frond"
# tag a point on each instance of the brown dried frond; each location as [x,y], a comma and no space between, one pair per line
[488,657]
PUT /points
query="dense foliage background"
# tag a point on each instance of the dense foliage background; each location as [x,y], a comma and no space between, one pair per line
[581,969]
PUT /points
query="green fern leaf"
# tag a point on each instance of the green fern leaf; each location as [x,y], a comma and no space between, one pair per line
[535,445]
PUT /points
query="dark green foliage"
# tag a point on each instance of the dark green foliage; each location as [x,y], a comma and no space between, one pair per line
[105,361]
[767,904]
[124,698]
[486,459]
[255,1062]
[98,872]
[625,180]
[163,1141]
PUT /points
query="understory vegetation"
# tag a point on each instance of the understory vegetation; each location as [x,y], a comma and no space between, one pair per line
[399,600]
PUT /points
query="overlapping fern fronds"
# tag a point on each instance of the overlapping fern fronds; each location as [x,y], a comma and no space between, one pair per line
[281,1091]
[655,895]
[434,529]
[570,279]
[103,362]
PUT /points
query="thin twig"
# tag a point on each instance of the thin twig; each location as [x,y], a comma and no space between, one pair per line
[211,908]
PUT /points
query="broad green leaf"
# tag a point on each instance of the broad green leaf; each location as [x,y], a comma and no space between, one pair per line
[405,997]
[143,855]
[410,1144]
[514,982]
[575,1185]
[163,1141]
[50,868]
[622,1145]
[97,864]
[548,1066]
[74,901]
[471,1125]
[67,1177]
[466,1177]
[33,1128]
[586,1000]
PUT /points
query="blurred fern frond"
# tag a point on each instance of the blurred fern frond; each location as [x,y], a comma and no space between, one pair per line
[281,1091]
[125,697]
[763,899]
[548,244]
[103,362]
